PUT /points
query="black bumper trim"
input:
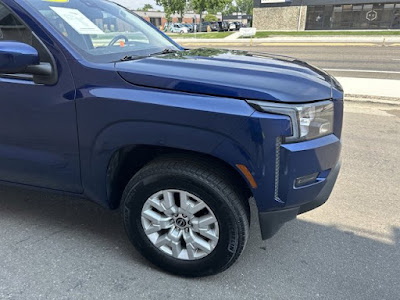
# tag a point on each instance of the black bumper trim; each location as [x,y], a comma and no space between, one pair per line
[272,221]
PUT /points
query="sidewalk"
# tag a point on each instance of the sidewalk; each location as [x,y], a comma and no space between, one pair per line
[385,91]
[371,87]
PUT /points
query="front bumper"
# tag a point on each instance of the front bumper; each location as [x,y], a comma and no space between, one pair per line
[272,221]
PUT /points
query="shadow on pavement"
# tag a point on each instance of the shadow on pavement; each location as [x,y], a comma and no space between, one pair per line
[304,260]
[54,214]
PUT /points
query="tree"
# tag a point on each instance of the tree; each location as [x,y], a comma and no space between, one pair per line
[147,7]
[183,8]
[171,7]
[200,6]
[245,6]
[229,9]
[210,18]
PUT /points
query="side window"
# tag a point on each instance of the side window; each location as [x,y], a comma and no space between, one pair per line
[12,29]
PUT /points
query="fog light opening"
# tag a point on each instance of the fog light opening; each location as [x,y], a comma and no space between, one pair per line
[305,180]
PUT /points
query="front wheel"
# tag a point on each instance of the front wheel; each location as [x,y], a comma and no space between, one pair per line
[185,218]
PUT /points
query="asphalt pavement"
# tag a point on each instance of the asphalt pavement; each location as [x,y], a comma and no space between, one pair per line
[54,247]
[343,60]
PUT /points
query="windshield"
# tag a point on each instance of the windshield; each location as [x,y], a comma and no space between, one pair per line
[101,30]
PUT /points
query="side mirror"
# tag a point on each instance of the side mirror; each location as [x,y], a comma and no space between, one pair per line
[16,57]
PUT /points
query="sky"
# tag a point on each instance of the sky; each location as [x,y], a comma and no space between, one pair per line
[135,4]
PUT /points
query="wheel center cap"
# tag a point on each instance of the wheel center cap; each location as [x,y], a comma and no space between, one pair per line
[181,222]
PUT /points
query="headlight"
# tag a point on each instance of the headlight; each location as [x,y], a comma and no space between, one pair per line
[309,121]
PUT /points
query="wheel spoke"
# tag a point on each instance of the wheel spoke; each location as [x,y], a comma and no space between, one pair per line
[196,208]
[152,229]
[204,221]
[184,199]
[152,216]
[176,248]
[157,219]
[192,239]
[162,241]
[210,234]
[168,200]
[156,203]
[191,251]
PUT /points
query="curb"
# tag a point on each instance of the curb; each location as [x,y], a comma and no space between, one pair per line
[372,99]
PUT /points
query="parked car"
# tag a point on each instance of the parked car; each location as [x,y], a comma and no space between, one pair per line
[131,120]
[178,28]
[232,26]
[190,27]
[223,26]
[203,27]
[238,25]
[214,26]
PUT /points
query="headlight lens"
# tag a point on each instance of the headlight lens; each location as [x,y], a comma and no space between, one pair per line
[309,121]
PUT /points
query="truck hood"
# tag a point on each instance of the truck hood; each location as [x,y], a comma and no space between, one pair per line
[235,74]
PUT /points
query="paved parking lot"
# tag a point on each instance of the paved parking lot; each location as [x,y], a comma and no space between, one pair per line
[53,247]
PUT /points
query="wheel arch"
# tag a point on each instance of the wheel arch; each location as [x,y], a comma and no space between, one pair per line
[128,160]
[121,149]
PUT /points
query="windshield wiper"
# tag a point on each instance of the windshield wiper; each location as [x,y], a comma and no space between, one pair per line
[133,57]
[165,51]
[136,57]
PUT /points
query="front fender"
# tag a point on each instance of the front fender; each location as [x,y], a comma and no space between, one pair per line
[130,133]
[185,122]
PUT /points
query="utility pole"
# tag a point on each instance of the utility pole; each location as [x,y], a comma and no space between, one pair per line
[300,15]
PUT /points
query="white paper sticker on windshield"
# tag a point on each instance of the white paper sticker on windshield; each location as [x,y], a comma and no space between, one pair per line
[77,20]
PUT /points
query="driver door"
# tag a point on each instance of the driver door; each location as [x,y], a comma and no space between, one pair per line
[38,128]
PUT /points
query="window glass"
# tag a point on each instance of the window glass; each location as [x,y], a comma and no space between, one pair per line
[12,29]
[337,8]
[156,22]
[359,16]
[347,7]
[101,30]
[368,6]
[396,18]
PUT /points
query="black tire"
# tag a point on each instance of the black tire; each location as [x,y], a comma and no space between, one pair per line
[202,180]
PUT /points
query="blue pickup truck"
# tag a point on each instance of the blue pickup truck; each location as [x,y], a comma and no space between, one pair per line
[97,103]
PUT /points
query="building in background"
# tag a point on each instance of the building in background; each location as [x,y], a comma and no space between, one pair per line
[157,18]
[326,14]
[238,17]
